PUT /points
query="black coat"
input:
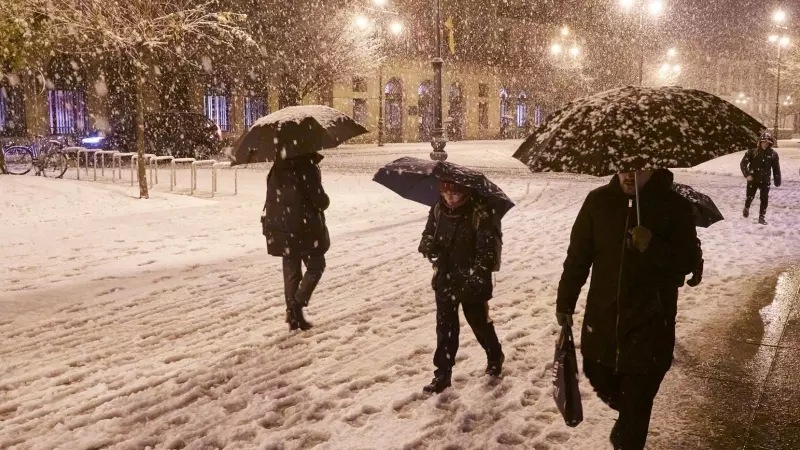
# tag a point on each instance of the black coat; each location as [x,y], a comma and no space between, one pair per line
[465,253]
[762,164]
[629,322]
[294,221]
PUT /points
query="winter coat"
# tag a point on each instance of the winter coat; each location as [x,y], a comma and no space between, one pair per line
[294,221]
[629,322]
[760,164]
[465,253]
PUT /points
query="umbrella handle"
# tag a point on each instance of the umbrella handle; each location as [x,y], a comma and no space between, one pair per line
[638,211]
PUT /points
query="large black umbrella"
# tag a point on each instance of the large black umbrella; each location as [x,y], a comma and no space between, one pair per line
[638,128]
[418,180]
[705,211]
[294,131]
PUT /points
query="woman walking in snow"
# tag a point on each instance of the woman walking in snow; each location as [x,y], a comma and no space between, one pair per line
[294,225]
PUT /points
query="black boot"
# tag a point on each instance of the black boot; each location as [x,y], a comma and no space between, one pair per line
[298,320]
[746,212]
[762,220]
[495,368]
[437,385]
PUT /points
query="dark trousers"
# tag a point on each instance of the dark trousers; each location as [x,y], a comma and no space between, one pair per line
[448,327]
[752,187]
[630,394]
[298,286]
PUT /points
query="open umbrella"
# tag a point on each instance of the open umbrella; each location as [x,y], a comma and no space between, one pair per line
[418,180]
[638,128]
[294,131]
[705,211]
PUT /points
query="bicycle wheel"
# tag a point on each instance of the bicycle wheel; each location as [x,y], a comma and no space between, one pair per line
[19,160]
[54,165]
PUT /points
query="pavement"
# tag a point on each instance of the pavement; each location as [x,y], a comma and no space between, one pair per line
[739,388]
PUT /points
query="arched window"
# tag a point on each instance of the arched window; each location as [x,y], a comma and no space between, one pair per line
[522,109]
[505,117]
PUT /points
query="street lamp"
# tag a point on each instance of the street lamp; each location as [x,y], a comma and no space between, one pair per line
[565,31]
[438,140]
[395,28]
[563,45]
[655,8]
[556,49]
[671,52]
[781,42]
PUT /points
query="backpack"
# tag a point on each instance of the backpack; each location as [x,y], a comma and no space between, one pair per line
[479,213]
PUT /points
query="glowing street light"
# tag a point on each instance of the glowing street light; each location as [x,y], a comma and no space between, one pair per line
[362,22]
[671,52]
[676,68]
[574,51]
[565,31]
[779,16]
[655,8]
[379,3]
[555,49]
[626,4]
[396,27]
[784,41]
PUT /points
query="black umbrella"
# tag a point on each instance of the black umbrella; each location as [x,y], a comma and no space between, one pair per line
[638,128]
[418,180]
[294,131]
[706,212]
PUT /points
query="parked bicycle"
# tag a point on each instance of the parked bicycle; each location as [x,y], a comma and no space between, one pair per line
[45,155]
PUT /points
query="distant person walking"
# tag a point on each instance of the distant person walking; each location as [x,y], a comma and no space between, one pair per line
[294,225]
[758,167]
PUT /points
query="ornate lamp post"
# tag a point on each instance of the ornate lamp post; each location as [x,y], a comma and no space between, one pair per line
[654,8]
[781,41]
[438,139]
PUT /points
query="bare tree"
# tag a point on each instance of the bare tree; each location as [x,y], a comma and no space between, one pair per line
[143,31]
[311,44]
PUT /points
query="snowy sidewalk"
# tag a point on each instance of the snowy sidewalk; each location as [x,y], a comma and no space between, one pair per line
[738,389]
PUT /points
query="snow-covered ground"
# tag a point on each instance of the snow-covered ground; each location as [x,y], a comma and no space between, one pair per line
[158,323]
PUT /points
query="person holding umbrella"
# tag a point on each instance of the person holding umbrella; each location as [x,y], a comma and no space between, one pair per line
[293,218]
[758,165]
[637,267]
[461,237]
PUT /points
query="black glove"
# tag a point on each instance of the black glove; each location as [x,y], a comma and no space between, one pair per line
[564,319]
[428,248]
[697,276]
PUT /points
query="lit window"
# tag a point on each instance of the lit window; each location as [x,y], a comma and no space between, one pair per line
[67,112]
[215,104]
[255,107]
[522,109]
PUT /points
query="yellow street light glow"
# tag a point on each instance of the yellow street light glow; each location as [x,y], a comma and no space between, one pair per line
[362,22]
[671,52]
[656,7]
[565,31]
[555,49]
[626,4]
[773,38]
[396,27]
[379,2]
[784,41]
[574,51]
[779,16]
[676,68]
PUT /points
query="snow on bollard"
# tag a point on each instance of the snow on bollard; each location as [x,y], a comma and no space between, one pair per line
[214,177]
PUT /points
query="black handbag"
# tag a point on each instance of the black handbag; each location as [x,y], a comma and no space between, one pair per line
[565,379]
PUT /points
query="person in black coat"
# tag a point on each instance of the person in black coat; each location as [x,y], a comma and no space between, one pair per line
[460,236]
[294,225]
[758,166]
[628,332]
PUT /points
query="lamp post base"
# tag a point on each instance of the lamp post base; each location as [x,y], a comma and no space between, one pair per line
[438,143]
